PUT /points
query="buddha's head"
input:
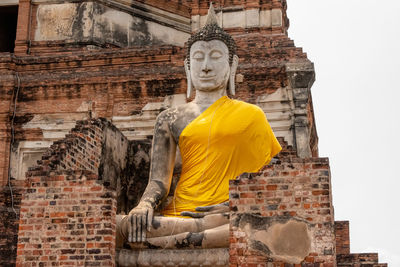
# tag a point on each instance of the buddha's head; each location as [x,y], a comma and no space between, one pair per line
[211,59]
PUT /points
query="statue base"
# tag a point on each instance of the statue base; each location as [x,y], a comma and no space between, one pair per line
[217,257]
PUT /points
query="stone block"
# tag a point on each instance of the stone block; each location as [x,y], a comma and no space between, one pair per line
[276,17]
[252,18]
[234,19]
[265,18]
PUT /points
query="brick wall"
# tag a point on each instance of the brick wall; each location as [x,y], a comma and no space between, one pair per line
[67,218]
[70,199]
[290,189]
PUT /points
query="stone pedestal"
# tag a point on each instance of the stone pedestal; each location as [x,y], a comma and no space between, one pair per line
[218,257]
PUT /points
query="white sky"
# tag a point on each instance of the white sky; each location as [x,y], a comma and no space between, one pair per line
[355,46]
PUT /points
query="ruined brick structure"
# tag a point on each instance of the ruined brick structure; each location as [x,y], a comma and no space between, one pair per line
[86,79]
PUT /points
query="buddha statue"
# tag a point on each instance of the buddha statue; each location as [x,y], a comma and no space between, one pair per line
[219,138]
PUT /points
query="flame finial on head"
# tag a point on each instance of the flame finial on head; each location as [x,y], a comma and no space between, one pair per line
[212,31]
[211,17]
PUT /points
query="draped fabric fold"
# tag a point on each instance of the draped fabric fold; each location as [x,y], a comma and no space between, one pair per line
[229,138]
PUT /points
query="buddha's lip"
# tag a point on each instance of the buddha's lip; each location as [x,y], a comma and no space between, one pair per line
[207,77]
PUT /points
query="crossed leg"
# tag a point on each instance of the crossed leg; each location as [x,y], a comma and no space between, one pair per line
[174,232]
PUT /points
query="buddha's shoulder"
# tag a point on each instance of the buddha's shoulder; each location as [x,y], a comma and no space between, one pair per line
[176,113]
[189,107]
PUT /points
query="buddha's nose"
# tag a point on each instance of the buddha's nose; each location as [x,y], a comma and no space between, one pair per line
[206,68]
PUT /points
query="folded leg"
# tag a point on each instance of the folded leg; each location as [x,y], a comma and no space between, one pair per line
[171,226]
[210,238]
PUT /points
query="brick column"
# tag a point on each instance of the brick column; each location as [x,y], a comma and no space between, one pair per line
[6,109]
[4,154]
[22,36]
[342,237]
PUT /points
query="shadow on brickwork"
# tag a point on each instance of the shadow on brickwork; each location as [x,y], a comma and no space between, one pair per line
[9,223]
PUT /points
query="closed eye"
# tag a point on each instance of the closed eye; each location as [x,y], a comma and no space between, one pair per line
[216,54]
[198,55]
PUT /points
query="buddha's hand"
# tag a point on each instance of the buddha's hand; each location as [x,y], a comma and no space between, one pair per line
[139,221]
[222,208]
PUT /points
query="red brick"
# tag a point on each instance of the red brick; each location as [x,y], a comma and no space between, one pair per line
[272,187]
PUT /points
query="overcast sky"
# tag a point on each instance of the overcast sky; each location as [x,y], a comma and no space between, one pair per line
[355,46]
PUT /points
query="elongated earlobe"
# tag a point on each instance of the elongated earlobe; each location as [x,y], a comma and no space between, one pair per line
[188,79]
[232,75]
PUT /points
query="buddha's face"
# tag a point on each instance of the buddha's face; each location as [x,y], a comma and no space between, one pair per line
[209,65]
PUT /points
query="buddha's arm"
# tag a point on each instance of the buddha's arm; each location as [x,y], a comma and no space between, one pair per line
[161,168]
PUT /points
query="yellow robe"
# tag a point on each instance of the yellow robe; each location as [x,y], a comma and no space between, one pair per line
[229,138]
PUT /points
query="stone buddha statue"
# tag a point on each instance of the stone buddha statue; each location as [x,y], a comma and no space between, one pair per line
[219,138]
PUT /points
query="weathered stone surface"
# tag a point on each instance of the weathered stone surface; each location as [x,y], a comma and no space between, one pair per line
[97,23]
[241,18]
[283,239]
[301,77]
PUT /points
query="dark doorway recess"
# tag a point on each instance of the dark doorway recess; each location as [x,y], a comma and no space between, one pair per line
[8,28]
